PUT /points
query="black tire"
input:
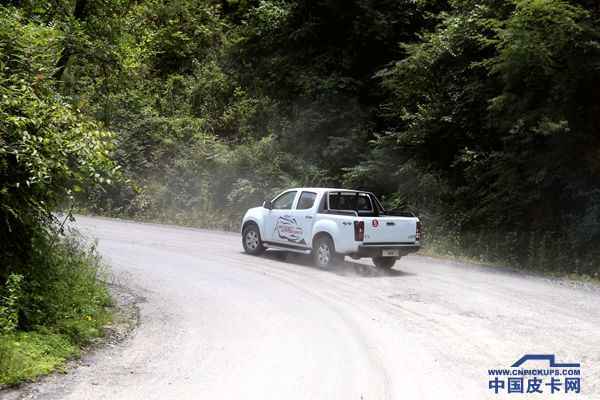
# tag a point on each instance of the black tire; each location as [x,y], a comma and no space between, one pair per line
[384,262]
[324,254]
[251,240]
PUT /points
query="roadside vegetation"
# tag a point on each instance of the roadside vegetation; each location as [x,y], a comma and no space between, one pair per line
[481,116]
[50,311]
[52,297]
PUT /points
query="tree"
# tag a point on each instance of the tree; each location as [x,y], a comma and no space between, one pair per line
[48,150]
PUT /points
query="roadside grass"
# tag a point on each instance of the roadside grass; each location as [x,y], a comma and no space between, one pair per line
[571,276]
[52,309]
[26,355]
[539,257]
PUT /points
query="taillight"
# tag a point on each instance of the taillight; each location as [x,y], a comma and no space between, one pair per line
[359,231]
[418,233]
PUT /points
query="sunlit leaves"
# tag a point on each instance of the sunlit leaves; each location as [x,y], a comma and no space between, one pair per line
[47,148]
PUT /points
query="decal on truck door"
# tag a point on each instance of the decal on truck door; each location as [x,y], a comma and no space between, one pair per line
[287,228]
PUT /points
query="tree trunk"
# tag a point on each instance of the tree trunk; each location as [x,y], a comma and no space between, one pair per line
[79,14]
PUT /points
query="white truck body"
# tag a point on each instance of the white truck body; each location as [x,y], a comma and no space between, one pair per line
[296,217]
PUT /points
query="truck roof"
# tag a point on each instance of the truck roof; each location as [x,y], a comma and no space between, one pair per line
[322,189]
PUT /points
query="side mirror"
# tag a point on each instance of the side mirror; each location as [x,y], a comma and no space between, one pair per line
[267,204]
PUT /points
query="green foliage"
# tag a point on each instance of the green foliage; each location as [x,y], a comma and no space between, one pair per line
[63,289]
[211,184]
[9,303]
[479,115]
[48,150]
[51,298]
[58,303]
[178,33]
[496,101]
[26,355]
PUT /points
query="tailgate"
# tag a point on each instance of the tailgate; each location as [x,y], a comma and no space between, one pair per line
[390,230]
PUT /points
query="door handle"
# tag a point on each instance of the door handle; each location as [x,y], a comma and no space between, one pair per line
[308,216]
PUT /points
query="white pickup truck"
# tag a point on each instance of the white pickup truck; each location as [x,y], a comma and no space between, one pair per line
[331,223]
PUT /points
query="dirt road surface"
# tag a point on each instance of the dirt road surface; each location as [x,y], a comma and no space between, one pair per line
[219,324]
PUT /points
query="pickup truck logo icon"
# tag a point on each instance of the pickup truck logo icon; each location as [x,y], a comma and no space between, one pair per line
[287,228]
[544,357]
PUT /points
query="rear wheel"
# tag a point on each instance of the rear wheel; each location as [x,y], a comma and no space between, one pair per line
[384,262]
[324,253]
[251,240]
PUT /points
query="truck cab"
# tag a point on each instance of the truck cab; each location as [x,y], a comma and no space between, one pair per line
[329,224]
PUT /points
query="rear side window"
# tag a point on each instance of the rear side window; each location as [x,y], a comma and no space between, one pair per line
[363,203]
[306,201]
[285,201]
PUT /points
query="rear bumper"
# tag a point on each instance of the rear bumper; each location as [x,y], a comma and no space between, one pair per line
[375,250]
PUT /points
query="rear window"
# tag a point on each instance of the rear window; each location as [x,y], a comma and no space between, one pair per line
[306,201]
[350,201]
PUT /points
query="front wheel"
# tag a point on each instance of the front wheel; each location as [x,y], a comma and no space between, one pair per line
[251,240]
[384,262]
[324,253]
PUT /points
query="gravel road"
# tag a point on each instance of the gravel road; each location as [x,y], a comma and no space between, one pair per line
[219,324]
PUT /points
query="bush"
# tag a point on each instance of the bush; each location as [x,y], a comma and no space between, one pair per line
[48,150]
[63,289]
[9,303]
[58,303]
[534,250]
[208,183]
